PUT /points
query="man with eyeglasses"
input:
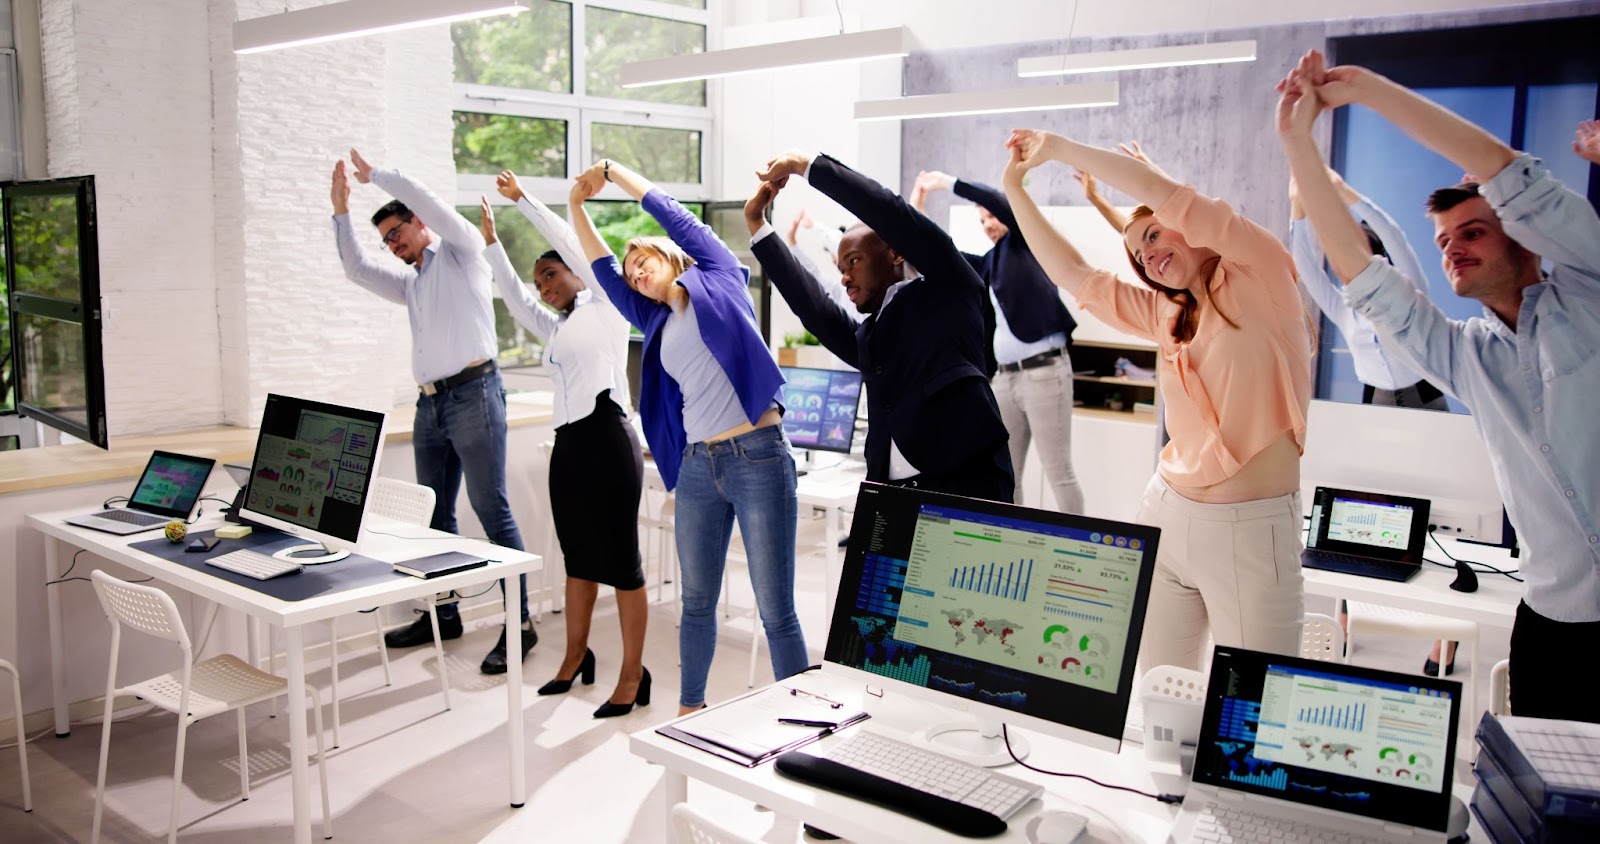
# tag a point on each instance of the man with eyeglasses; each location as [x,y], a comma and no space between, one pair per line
[461,407]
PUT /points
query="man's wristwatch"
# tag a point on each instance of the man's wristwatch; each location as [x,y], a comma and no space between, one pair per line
[607,169]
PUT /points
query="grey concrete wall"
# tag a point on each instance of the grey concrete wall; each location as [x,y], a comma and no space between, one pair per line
[1210,125]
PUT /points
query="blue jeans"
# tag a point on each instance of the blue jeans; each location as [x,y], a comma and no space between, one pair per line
[750,478]
[463,431]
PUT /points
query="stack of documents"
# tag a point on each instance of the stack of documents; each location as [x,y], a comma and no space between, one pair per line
[752,729]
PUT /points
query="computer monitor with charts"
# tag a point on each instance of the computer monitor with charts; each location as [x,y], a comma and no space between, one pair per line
[1027,617]
[313,467]
[820,407]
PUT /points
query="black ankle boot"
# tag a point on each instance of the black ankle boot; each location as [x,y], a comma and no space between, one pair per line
[585,672]
[640,698]
[495,662]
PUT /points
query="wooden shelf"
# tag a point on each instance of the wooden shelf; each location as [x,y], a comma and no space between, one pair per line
[1115,415]
[1116,379]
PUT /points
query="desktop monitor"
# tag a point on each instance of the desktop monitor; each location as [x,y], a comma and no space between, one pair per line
[1010,614]
[820,407]
[313,466]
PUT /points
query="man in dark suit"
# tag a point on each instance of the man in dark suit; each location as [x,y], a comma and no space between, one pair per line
[922,351]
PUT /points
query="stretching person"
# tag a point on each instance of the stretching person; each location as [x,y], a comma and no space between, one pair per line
[829,241]
[596,468]
[1031,332]
[1221,303]
[460,424]
[1385,379]
[1526,368]
[932,419]
[709,396]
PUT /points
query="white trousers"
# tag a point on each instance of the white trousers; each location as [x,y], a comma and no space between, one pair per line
[1232,570]
[1037,403]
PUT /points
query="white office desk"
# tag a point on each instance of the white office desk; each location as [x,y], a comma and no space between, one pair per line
[1494,603]
[1114,816]
[293,615]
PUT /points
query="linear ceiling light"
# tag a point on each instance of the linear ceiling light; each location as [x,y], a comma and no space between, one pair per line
[353,18]
[1175,56]
[848,47]
[990,102]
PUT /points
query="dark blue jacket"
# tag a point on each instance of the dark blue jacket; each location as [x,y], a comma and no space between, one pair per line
[719,288]
[1027,296]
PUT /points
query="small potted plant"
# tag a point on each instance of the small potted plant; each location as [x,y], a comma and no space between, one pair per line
[1114,401]
[793,343]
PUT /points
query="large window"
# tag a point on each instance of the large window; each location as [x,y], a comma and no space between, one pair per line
[540,94]
[52,276]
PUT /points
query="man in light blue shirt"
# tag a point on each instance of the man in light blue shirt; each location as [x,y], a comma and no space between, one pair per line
[460,426]
[1527,368]
[1385,379]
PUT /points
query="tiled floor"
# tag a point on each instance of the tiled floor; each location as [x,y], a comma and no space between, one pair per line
[410,772]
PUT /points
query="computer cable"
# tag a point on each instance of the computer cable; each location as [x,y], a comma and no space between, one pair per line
[1162,798]
[64,575]
[106,505]
[1473,564]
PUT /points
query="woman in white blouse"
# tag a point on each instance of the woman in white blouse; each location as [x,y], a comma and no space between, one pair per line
[596,468]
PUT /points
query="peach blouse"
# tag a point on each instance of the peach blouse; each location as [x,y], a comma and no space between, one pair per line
[1230,392]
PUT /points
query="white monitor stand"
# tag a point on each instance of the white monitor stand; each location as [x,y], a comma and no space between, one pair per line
[975,740]
[325,555]
[810,464]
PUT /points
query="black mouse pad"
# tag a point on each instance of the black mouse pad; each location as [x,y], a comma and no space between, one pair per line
[352,572]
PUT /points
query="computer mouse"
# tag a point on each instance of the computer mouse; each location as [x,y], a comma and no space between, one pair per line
[1057,828]
[1466,579]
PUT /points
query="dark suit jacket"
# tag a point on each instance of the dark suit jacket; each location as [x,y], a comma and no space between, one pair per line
[922,357]
[1028,297]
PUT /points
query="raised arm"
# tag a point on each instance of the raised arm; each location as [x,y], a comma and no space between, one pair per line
[558,232]
[1140,179]
[1060,259]
[434,212]
[905,229]
[1394,240]
[991,198]
[1091,192]
[1342,240]
[1469,146]
[634,306]
[801,288]
[691,234]
[522,305]
[386,281]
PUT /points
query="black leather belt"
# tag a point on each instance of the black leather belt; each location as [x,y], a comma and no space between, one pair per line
[471,373]
[1038,360]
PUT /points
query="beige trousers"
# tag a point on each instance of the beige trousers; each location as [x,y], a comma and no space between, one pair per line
[1232,570]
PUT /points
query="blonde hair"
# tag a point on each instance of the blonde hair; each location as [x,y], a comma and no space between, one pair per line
[1189,317]
[669,253]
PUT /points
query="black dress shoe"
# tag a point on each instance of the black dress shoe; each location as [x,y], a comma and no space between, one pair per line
[495,662]
[640,698]
[585,671]
[1431,668]
[420,632]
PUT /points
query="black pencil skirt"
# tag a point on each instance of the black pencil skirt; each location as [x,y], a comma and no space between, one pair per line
[596,473]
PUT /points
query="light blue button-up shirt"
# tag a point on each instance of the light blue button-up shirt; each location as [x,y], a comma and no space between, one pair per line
[1009,349]
[450,300]
[1534,392]
[1373,366]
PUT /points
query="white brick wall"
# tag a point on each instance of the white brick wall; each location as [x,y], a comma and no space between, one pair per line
[218,270]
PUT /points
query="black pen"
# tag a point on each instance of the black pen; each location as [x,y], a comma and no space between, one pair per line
[801,722]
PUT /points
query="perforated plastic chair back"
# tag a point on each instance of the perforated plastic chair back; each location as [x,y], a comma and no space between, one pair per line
[143,608]
[691,827]
[1321,638]
[402,501]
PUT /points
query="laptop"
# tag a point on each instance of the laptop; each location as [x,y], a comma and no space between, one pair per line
[1370,534]
[1293,748]
[168,489]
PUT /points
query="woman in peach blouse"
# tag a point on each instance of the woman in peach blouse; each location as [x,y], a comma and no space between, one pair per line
[1219,299]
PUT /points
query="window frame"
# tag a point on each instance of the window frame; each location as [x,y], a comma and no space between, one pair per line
[86,311]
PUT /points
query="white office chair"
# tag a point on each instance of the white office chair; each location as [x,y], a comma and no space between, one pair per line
[691,827]
[1321,638]
[1500,688]
[22,740]
[195,691]
[1376,619]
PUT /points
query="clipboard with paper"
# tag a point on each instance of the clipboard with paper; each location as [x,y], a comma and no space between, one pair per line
[749,730]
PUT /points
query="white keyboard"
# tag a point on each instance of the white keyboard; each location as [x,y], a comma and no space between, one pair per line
[253,564]
[1223,824]
[934,773]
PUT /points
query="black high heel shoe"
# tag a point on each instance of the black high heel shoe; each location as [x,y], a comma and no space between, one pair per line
[640,698]
[585,671]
